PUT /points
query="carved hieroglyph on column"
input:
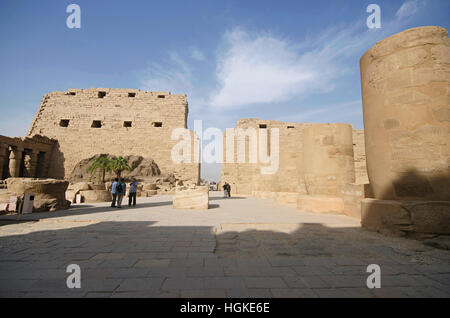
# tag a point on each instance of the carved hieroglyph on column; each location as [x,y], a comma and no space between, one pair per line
[406,97]
[328,158]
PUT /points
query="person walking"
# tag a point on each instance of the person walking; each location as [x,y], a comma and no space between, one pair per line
[225,189]
[114,192]
[132,192]
[121,190]
[229,190]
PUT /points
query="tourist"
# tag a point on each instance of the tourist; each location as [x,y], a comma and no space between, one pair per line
[229,190]
[132,192]
[225,189]
[114,192]
[121,190]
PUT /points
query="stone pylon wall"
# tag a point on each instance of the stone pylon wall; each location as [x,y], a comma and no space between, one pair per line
[245,178]
[133,122]
[328,162]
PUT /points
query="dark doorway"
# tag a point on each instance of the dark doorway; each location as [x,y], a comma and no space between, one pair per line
[5,173]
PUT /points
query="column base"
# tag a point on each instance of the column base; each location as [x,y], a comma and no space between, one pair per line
[406,217]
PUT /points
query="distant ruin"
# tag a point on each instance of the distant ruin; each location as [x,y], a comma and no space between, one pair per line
[304,169]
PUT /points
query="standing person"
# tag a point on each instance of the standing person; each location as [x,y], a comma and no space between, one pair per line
[132,192]
[114,192]
[229,191]
[121,190]
[225,190]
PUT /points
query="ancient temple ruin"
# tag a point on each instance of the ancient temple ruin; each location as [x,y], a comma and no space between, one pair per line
[80,123]
[25,157]
[326,160]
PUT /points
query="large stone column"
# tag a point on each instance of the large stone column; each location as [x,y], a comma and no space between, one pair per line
[15,159]
[328,158]
[3,157]
[406,99]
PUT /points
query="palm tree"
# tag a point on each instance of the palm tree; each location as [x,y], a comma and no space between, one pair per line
[118,165]
[101,164]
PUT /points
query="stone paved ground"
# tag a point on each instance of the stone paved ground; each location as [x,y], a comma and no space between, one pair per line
[241,247]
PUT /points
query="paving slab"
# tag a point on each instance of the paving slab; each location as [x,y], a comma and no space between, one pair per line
[245,247]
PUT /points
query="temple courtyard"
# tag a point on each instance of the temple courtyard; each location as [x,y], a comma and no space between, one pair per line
[240,247]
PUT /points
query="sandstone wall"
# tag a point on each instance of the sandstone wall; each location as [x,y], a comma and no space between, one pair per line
[359,153]
[133,122]
[328,161]
[246,178]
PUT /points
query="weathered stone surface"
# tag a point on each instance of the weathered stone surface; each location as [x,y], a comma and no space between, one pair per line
[121,122]
[328,158]
[385,216]
[246,178]
[141,168]
[151,186]
[403,217]
[352,194]
[197,199]
[405,84]
[97,186]
[430,217]
[320,204]
[96,196]
[49,193]
[80,186]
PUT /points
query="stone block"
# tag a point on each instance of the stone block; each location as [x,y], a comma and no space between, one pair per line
[49,194]
[320,204]
[430,217]
[402,217]
[197,199]
[98,186]
[151,186]
[385,216]
[91,196]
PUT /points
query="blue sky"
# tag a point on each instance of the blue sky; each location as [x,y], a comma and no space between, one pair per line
[282,60]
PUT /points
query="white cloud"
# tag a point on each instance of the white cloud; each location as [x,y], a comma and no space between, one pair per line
[173,75]
[196,54]
[260,68]
[409,8]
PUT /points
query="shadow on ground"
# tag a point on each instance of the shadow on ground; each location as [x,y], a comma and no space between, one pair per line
[140,259]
